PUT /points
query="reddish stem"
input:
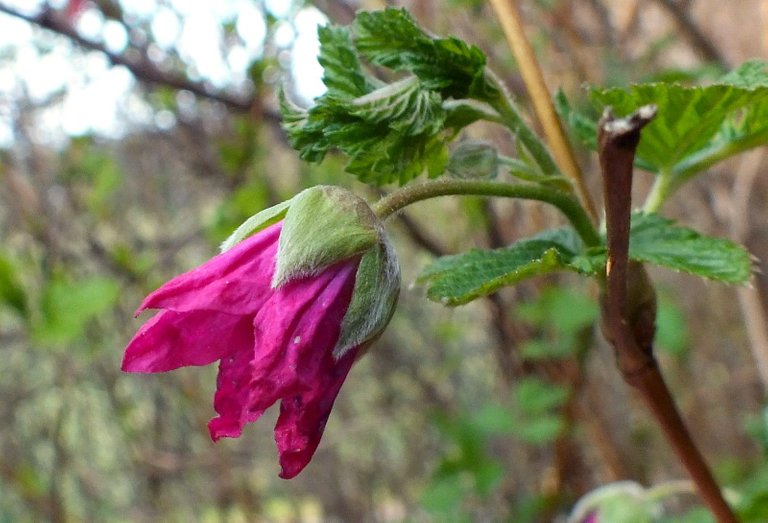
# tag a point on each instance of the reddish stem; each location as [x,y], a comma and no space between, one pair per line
[629,306]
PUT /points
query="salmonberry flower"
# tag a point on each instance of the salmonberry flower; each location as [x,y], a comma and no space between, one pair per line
[299,291]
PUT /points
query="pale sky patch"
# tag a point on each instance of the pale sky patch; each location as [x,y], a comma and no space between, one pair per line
[97,96]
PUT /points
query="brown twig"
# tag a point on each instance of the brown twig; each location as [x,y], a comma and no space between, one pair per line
[509,17]
[629,305]
[141,67]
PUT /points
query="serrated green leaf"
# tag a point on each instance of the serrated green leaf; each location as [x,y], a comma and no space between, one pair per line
[403,106]
[654,239]
[461,278]
[696,127]
[581,126]
[392,38]
[395,158]
[342,72]
[396,131]
[389,132]
[305,133]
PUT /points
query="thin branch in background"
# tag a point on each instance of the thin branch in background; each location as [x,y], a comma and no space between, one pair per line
[511,23]
[339,12]
[419,237]
[693,32]
[750,302]
[141,68]
[603,16]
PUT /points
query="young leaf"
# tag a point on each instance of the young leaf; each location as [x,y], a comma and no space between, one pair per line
[390,132]
[396,158]
[459,279]
[657,240]
[342,72]
[687,121]
[696,127]
[404,106]
[582,126]
[392,39]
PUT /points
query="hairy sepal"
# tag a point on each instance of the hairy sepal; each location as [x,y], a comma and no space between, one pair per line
[323,225]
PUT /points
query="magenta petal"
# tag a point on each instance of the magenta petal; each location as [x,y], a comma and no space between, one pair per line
[232,393]
[294,334]
[303,417]
[235,282]
[170,340]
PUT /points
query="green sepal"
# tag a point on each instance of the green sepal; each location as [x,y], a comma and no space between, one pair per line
[257,222]
[377,288]
[324,225]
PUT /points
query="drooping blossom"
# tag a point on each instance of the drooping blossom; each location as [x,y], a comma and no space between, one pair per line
[285,311]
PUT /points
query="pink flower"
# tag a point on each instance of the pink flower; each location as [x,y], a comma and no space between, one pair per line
[291,341]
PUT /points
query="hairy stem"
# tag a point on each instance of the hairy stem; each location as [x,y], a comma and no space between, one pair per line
[567,204]
[629,305]
[509,16]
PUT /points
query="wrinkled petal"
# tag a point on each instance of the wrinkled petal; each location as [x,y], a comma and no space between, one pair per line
[170,340]
[232,393]
[303,417]
[294,336]
[235,282]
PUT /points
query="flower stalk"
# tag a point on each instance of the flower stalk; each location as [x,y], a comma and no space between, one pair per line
[565,202]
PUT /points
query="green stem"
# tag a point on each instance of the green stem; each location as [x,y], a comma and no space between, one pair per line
[667,182]
[567,204]
[514,122]
[661,190]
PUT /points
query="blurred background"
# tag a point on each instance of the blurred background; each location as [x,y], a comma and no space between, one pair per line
[136,134]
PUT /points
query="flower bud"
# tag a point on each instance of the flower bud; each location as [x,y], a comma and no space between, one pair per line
[474,159]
